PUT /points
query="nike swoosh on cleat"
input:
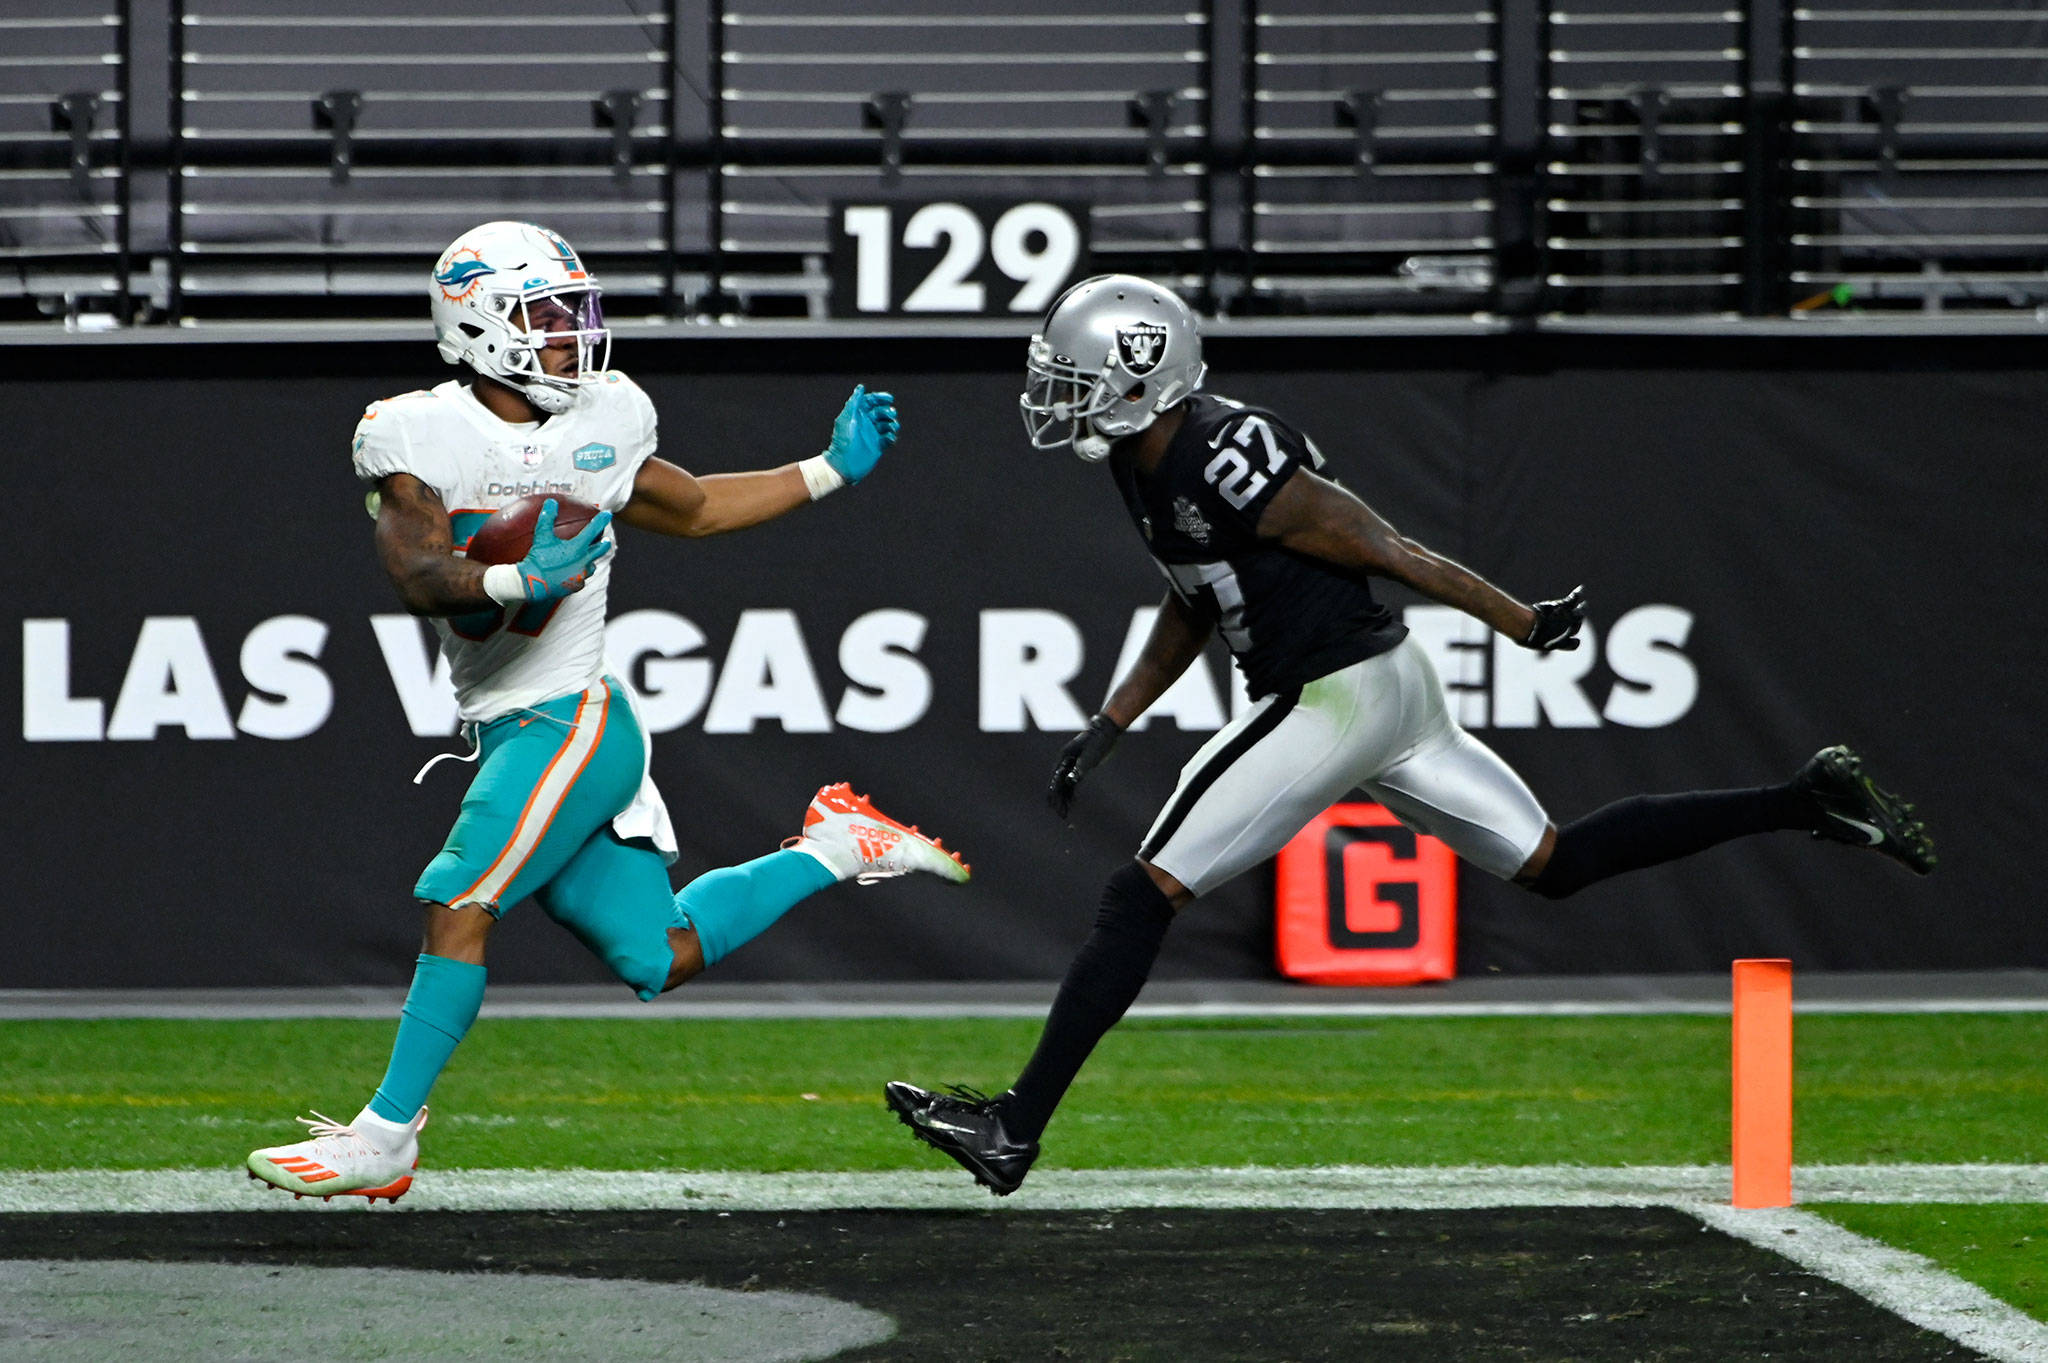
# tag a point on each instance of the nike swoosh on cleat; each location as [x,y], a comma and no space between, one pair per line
[1870,831]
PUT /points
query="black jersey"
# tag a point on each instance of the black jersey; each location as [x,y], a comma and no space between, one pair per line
[1287,617]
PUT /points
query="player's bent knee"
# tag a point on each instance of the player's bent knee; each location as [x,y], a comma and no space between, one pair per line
[1176,894]
[1131,895]
[642,961]
[1558,870]
[643,967]
[457,931]
[1531,874]
[686,958]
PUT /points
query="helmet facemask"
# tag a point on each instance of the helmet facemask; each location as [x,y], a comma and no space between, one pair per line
[1061,400]
[542,330]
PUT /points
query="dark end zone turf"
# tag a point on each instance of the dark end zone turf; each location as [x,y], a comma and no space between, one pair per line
[1174,1286]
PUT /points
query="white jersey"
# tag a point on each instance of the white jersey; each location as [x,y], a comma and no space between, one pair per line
[509,658]
[513,657]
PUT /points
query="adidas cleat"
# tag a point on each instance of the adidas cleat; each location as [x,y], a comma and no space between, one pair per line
[1854,810]
[370,1158]
[967,1126]
[859,841]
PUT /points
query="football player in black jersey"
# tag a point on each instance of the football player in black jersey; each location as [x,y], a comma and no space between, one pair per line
[1259,546]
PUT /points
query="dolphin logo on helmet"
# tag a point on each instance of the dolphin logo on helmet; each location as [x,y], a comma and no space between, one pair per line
[459,273]
[1113,353]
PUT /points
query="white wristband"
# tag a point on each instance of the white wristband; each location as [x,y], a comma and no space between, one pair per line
[505,584]
[819,476]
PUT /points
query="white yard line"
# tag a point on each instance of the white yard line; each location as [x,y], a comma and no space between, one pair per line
[1906,1284]
[1334,1187]
[1903,1283]
[82,1007]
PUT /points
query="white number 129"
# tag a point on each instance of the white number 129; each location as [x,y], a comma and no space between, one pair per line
[1040,268]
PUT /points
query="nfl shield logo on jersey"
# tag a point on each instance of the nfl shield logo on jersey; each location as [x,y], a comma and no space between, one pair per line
[1140,346]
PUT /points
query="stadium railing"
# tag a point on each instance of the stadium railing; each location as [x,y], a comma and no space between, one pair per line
[1571,163]
[64,190]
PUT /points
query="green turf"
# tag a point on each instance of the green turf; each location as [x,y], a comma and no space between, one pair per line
[2001,1247]
[781,1095]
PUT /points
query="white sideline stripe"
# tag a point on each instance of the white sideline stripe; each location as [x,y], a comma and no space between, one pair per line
[1906,1284]
[380,1009]
[1902,1282]
[1335,1187]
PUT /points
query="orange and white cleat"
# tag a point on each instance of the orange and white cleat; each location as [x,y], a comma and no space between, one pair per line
[369,1157]
[859,842]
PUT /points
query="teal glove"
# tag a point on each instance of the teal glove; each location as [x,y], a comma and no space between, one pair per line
[553,568]
[864,428]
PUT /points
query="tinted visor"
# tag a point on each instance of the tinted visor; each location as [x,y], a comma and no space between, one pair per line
[570,322]
[561,314]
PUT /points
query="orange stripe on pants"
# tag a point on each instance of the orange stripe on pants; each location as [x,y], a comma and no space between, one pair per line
[575,727]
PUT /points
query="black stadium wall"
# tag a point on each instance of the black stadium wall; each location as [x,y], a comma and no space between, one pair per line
[1785,544]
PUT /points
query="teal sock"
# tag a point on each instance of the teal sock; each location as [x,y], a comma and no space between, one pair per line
[439,1008]
[733,905]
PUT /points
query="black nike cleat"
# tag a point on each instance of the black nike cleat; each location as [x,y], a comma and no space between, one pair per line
[1853,810]
[966,1125]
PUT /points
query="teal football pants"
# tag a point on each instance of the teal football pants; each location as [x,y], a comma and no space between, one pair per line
[548,778]
[536,821]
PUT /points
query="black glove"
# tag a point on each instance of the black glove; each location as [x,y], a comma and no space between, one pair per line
[1557,623]
[1083,751]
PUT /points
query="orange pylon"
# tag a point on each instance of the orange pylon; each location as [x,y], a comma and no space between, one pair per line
[1763,1084]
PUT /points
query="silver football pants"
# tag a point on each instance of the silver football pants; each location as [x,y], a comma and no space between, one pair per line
[1380,727]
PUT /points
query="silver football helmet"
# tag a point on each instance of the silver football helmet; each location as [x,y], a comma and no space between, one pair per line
[1113,353]
[506,291]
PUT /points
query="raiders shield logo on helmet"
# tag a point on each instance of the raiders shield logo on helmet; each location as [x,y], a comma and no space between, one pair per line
[1140,346]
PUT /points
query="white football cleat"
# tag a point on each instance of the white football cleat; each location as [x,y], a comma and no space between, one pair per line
[369,1157]
[858,841]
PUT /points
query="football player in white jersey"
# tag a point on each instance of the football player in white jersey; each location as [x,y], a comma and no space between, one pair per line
[561,807]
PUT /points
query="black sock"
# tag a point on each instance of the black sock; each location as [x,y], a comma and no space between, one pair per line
[1101,983]
[1647,830]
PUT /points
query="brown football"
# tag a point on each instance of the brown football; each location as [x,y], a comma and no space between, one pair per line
[508,534]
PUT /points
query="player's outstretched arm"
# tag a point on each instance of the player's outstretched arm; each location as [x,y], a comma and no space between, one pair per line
[1314,516]
[670,501]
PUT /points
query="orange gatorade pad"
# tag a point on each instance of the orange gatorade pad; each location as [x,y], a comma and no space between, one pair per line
[1360,899]
[1763,1084]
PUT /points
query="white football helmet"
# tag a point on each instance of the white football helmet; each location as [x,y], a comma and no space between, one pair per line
[1113,353]
[506,291]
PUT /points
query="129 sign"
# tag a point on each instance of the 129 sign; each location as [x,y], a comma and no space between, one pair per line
[954,258]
